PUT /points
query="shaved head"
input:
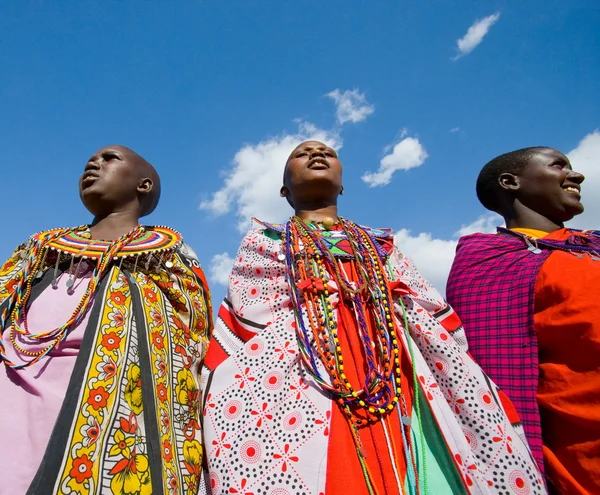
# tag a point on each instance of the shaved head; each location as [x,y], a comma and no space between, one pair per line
[146,171]
[116,176]
[312,174]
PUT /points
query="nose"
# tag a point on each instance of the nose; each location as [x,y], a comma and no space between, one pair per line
[317,152]
[92,165]
[576,177]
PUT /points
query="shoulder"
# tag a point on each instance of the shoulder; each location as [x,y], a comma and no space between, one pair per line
[481,238]
[161,234]
[166,239]
[261,229]
[378,232]
[186,250]
[483,242]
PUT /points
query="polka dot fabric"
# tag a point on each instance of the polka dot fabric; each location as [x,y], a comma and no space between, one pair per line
[267,425]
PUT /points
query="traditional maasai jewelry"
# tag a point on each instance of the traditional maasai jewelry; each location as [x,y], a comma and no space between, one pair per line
[536,246]
[48,249]
[311,266]
[327,222]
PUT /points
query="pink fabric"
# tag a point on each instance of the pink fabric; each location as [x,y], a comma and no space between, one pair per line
[30,398]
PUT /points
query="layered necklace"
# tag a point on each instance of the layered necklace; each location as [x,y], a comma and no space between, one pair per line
[311,266]
[55,246]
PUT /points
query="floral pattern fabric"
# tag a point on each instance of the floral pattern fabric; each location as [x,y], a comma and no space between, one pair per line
[133,426]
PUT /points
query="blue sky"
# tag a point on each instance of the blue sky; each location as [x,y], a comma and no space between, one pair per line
[214,94]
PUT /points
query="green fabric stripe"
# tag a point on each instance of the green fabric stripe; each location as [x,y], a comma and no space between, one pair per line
[442,475]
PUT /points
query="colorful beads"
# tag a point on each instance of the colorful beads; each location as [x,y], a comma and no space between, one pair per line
[311,266]
[70,242]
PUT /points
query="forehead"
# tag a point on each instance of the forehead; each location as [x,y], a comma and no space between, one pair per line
[310,145]
[545,155]
[115,148]
[127,155]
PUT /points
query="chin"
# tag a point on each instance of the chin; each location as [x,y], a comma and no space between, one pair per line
[577,209]
[571,214]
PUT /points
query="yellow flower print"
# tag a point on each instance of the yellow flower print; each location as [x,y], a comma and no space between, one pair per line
[186,389]
[132,476]
[192,455]
[133,389]
[178,335]
[122,444]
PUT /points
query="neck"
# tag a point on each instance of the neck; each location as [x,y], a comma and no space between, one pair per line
[114,225]
[317,213]
[523,218]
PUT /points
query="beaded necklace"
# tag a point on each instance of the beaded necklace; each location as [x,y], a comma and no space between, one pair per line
[65,241]
[535,245]
[311,266]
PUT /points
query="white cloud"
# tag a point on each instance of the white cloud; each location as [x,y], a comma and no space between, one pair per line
[485,223]
[406,154]
[475,34]
[352,106]
[585,158]
[454,129]
[251,186]
[434,256]
[220,268]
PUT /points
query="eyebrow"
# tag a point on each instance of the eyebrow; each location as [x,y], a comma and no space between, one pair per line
[565,160]
[308,148]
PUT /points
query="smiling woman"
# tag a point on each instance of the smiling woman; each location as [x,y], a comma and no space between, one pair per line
[335,366]
[532,188]
[529,299]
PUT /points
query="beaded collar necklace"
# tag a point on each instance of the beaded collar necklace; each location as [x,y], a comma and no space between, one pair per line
[59,245]
[536,245]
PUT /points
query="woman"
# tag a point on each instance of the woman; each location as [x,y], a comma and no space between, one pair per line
[540,281]
[335,368]
[102,332]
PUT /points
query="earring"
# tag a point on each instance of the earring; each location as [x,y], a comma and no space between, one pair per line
[342,191]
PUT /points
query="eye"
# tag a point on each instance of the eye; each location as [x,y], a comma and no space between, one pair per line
[301,153]
[110,156]
[330,153]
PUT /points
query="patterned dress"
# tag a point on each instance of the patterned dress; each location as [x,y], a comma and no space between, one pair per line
[270,429]
[129,420]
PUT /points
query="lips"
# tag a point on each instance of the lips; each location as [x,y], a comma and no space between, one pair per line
[575,190]
[318,164]
[89,177]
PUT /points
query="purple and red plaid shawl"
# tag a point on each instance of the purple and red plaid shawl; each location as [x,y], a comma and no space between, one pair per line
[491,287]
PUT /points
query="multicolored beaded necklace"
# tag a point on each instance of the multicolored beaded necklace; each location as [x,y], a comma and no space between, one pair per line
[75,243]
[536,245]
[311,267]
